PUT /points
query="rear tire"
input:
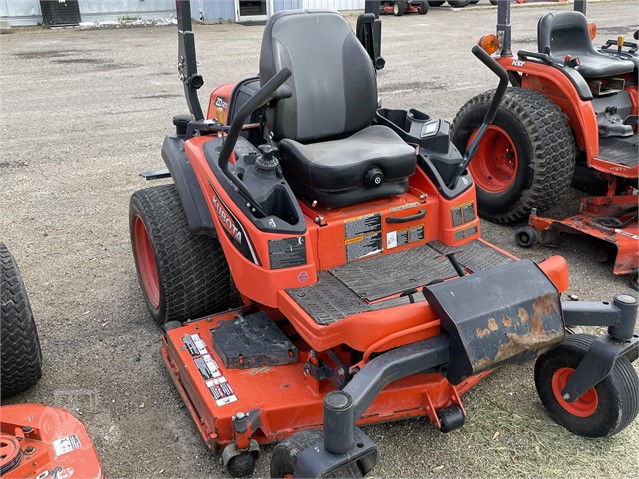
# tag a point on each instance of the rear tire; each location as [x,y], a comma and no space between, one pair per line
[494,2]
[458,3]
[20,353]
[436,4]
[398,8]
[182,275]
[474,2]
[423,7]
[604,410]
[535,133]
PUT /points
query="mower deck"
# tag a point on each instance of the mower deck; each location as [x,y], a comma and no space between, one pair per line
[287,397]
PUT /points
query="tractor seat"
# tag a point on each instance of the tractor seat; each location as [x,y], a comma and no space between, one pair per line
[329,151]
[566,33]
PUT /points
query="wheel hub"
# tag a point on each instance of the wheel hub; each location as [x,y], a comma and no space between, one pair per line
[495,164]
[585,406]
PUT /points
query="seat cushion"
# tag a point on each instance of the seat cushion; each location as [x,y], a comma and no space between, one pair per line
[566,33]
[341,164]
[597,65]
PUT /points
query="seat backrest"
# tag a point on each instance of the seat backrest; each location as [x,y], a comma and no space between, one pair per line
[565,33]
[333,80]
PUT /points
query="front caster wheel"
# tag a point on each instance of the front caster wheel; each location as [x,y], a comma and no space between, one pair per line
[398,8]
[605,409]
[286,453]
[242,465]
[526,236]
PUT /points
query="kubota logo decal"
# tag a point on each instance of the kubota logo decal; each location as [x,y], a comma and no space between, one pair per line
[226,220]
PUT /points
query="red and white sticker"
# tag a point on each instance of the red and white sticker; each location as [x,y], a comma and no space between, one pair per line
[221,390]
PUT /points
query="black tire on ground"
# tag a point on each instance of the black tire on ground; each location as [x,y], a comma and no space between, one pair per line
[543,143]
[20,354]
[423,7]
[458,3]
[398,8]
[474,2]
[494,2]
[604,410]
[436,3]
[191,273]
[242,465]
[526,236]
[285,454]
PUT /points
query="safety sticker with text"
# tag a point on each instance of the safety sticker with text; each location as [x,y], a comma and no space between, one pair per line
[209,369]
[66,444]
[221,391]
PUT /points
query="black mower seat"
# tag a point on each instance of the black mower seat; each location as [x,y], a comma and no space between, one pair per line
[566,33]
[329,150]
[333,171]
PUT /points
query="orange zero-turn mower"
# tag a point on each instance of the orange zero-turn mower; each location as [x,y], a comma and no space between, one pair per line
[351,234]
[571,115]
[36,441]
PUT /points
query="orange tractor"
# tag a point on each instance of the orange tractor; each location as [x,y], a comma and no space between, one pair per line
[570,116]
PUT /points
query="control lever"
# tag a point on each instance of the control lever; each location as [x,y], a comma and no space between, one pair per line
[498,70]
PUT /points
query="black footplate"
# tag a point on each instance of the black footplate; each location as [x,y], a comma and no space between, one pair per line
[360,286]
[252,341]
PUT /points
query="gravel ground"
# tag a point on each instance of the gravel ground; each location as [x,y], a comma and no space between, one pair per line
[82,112]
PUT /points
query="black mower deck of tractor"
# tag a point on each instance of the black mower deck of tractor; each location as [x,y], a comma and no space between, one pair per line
[346,290]
[622,151]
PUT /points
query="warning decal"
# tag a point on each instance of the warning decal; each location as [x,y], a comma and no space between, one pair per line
[221,391]
[362,225]
[194,344]
[209,369]
[66,444]
[362,246]
[462,213]
[405,236]
[207,366]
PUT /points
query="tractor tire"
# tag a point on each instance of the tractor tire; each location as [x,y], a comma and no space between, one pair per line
[21,365]
[423,7]
[526,158]
[474,2]
[398,8]
[494,2]
[605,409]
[458,3]
[436,4]
[285,454]
[182,275]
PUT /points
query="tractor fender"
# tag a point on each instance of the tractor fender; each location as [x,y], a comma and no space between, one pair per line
[191,196]
[568,90]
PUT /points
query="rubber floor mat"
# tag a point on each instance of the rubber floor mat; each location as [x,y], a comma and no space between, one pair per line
[350,288]
[381,276]
[475,256]
[622,151]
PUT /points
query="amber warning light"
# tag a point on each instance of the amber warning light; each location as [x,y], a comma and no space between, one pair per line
[489,43]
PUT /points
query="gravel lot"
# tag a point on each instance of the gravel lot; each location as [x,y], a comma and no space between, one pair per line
[82,112]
